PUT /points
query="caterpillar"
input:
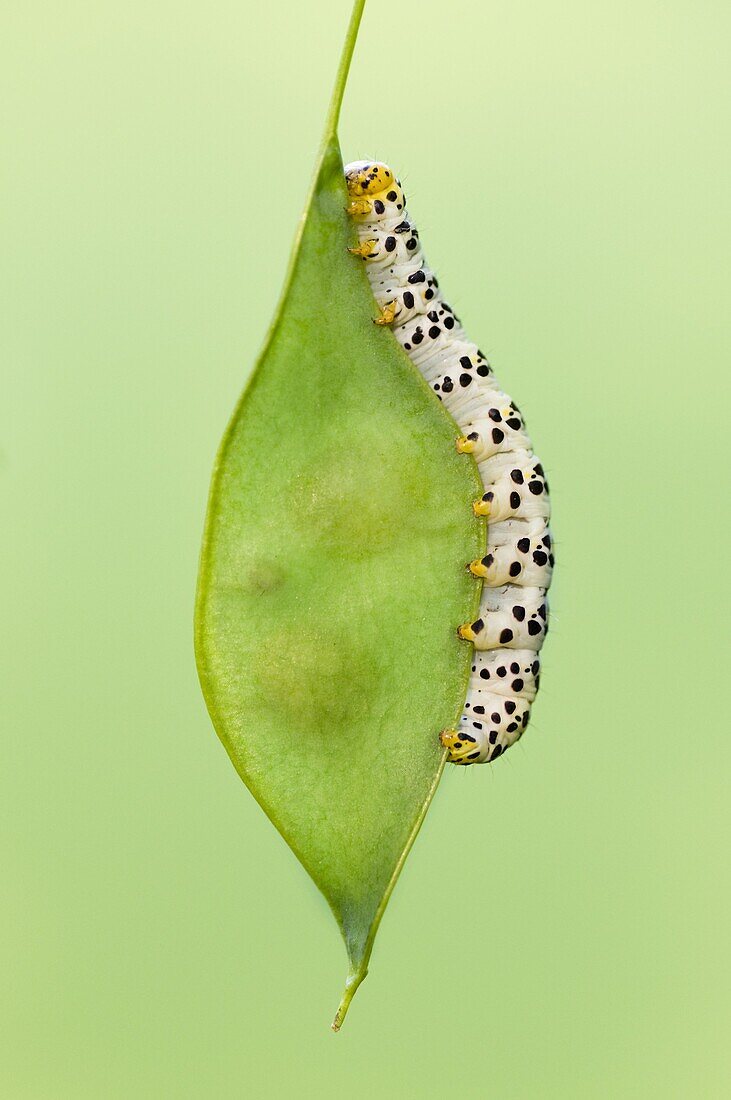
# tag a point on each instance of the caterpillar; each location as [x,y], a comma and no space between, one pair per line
[516,570]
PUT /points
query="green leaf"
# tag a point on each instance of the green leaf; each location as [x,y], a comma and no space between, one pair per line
[332,576]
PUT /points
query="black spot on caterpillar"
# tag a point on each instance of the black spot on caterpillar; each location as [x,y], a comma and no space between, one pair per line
[516,571]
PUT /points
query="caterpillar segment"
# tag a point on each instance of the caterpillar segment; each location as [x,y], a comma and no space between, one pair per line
[515,573]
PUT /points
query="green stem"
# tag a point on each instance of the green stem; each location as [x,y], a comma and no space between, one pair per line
[355,977]
[329,140]
[333,114]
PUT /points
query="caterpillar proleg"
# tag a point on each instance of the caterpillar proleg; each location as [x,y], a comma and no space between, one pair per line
[516,570]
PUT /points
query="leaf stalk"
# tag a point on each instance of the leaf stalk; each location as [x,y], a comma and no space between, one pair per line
[341,77]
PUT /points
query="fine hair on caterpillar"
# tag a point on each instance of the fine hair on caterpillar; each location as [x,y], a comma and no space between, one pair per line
[515,573]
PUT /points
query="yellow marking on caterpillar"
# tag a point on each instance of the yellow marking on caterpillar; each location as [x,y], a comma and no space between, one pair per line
[458,749]
[464,445]
[358,207]
[363,249]
[387,316]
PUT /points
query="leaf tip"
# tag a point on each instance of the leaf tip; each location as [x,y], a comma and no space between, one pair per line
[351,985]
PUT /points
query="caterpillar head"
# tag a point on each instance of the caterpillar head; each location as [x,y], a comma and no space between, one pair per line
[367,177]
[374,189]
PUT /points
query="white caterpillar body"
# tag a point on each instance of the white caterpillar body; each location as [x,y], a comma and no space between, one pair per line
[516,569]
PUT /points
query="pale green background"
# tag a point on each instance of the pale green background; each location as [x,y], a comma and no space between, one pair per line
[561,929]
